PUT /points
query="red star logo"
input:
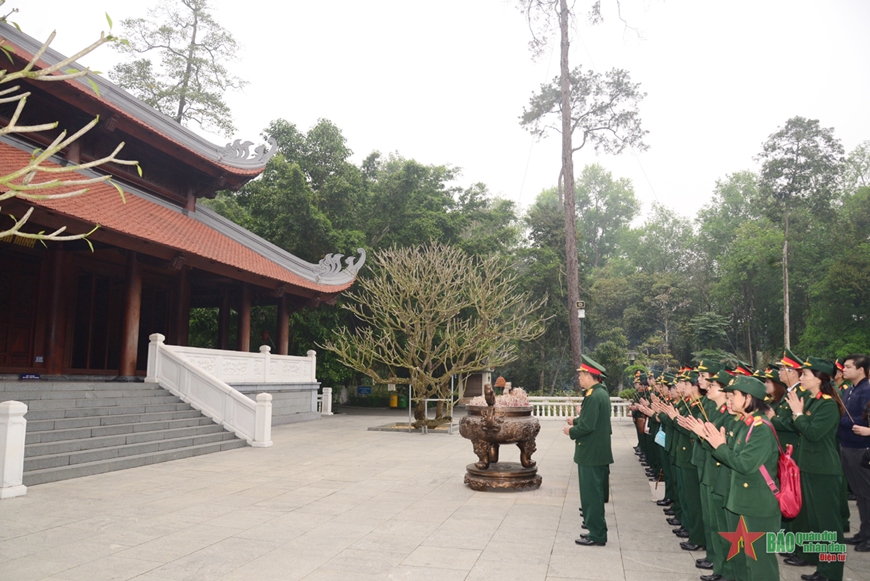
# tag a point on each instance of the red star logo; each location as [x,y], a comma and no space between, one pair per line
[742,537]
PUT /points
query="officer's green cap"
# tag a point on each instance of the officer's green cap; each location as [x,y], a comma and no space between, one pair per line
[789,359]
[819,364]
[748,384]
[711,367]
[743,368]
[590,366]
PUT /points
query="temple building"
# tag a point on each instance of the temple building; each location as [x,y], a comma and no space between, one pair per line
[67,308]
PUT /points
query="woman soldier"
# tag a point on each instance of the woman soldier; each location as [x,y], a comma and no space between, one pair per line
[816,420]
[750,500]
[715,477]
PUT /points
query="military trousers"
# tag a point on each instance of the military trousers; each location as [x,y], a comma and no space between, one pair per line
[692,508]
[593,483]
[822,515]
[765,566]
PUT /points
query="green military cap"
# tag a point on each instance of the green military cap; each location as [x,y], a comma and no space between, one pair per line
[819,364]
[640,376]
[789,359]
[840,363]
[772,374]
[691,376]
[590,366]
[711,367]
[748,384]
[722,378]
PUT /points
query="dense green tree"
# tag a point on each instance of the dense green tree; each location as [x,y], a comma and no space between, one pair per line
[800,167]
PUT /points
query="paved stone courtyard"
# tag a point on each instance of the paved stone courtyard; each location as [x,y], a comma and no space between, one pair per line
[332,500]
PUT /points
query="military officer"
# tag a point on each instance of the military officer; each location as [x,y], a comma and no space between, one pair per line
[592,453]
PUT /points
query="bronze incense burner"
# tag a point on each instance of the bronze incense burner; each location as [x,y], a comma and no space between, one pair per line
[490,426]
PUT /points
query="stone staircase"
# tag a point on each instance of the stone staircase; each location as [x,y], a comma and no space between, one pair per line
[80,428]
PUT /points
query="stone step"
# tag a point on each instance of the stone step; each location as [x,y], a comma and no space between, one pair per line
[100,402]
[51,434]
[104,411]
[42,386]
[32,463]
[94,443]
[93,421]
[42,476]
[68,394]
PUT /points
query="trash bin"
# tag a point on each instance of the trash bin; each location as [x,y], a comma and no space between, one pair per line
[394,400]
[403,401]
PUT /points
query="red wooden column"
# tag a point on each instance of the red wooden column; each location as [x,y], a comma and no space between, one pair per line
[55,337]
[182,308]
[130,324]
[283,326]
[224,321]
[244,339]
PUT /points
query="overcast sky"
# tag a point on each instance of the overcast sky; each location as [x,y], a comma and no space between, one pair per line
[445,82]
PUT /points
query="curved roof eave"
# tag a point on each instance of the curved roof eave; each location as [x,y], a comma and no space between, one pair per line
[235,156]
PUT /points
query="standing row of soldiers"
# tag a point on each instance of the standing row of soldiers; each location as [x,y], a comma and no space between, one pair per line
[711,435]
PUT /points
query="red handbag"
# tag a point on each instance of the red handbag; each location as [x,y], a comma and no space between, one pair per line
[789,492]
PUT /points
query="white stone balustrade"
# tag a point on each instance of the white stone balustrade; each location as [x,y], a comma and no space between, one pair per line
[13,429]
[559,408]
[198,386]
[324,402]
[235,367]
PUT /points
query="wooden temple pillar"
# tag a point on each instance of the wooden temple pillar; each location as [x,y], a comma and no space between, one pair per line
[130,323]
[182,308]
[283,326]
[224,321]
[244,339]
[55,337]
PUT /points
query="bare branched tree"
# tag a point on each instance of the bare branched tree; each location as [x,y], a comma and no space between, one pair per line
[433,312]
[37,180]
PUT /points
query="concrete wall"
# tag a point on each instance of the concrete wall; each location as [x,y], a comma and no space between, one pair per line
[290,402]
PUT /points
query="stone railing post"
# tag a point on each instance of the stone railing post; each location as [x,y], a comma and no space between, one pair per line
[312,354]
[326,406]
[263,426]
[152,369]
[13,428]
[267,356]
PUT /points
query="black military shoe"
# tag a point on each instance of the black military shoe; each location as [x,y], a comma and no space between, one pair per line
[665,502]
[669,511]
[814,577]
[703,564]
[687,546]
[856,540]
[674,522]
[863,547]
[796,561]
[683,534]
[713,577]
[587,542]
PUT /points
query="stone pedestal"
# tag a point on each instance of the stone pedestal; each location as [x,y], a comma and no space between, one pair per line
[502,475]
[13,429]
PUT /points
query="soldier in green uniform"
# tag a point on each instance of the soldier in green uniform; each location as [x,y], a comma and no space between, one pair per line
[716,478]
[750,500]
[816,420]
[782,420]
[593,455]
[694,523]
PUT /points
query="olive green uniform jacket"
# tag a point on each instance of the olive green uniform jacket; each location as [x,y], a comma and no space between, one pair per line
[591,429]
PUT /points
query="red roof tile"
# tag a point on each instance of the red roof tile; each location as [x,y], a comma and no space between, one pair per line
[145,220]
